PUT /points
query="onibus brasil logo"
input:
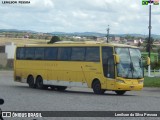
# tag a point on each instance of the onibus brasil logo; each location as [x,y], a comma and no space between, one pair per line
[148,2]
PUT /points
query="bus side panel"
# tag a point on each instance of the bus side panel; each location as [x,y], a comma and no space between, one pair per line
[70,71]
[92,71]
[24,68]
[19,71]
[37,68]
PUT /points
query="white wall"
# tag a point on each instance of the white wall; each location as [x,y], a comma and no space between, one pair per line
[10,49]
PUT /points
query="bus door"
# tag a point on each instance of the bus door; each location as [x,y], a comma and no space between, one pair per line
[108,66]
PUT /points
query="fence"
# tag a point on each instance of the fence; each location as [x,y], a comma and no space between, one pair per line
[154,73]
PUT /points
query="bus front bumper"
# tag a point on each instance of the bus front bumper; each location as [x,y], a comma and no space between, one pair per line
[128,87]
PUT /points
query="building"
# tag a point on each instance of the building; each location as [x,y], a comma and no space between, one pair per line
[10,49]
[7,51]
[3,60]
[116,39]
[130,42]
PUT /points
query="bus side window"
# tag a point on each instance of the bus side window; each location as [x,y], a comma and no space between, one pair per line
[39,53]
[64,53]
[108,62]
[50,53]
[111,67]
[92,54]
[78,54]
[29,53]
[20,53]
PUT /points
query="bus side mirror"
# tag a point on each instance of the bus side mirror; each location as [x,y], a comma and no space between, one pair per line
[148,61]
[117,59]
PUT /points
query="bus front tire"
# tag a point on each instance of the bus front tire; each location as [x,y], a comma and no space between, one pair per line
[120,92]
[30,82]
[97,87]
[39,83]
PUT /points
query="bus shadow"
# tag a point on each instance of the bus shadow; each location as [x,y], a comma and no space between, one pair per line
[91,93]
[72,92]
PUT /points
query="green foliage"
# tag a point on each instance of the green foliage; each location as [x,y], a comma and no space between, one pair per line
[47,37]
[158,50]
[155,65]
[129,37]
[147,44]
[31,37]
[54,39]
[151,82]
[139,44]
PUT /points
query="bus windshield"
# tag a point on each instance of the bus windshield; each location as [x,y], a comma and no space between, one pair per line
[130,63]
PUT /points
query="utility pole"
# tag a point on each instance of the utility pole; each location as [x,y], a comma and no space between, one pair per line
[108,34]
[149,40]
[150,2]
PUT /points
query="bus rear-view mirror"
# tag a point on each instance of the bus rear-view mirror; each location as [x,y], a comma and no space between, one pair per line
[117,58]
[148,61]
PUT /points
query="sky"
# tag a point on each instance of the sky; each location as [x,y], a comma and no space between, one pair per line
[123,16]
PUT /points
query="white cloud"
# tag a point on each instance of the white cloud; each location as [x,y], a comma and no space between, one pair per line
[127,16]
[80,14]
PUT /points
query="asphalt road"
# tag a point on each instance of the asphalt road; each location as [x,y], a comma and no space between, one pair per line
[19,97]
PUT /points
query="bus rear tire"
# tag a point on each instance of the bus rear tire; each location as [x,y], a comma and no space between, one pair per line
[120,92]
[30,81]
[97,87]
[61,88]
[39,83]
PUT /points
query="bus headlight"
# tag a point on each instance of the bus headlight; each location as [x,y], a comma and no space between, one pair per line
[140,81]
[120,81]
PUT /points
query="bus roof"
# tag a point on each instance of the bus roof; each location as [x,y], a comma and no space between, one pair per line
[87,43]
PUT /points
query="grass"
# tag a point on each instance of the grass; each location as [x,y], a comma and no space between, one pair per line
[22,41]
[152,82]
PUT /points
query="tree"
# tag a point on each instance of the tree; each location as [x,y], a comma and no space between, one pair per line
[46,37]
[54,39]
[155,65]
[147,44]
[139,44]
[128,37]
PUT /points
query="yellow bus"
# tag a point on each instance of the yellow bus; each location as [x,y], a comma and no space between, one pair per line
[100,66]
